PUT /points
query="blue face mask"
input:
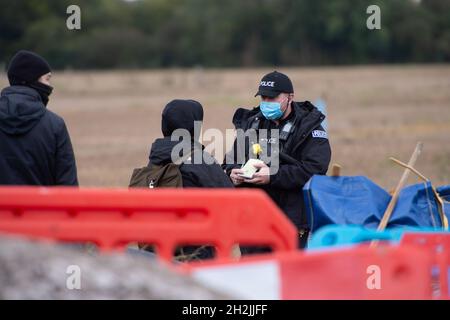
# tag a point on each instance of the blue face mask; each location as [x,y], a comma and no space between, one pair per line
[271,110]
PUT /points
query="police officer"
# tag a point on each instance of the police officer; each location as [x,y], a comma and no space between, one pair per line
[301,145]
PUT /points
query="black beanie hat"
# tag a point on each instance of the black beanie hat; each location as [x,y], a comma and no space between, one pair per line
[181,114]
[26,67]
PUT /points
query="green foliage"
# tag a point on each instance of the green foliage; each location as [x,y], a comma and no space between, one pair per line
[213,33]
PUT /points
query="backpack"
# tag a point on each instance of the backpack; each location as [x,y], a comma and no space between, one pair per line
[165,176]
[168,176]
[159,176]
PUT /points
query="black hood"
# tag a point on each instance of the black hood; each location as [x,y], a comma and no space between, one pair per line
[181,114]
[161,150]
[308,114]
[21,108]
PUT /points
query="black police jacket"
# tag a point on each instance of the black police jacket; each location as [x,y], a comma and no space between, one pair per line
[305,153]
[35,147]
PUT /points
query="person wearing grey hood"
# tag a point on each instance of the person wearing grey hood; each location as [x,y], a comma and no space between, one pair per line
[35,146]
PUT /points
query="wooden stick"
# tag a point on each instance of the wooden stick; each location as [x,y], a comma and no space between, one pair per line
[401,183]
[404,165]
[336,170]
[440,203]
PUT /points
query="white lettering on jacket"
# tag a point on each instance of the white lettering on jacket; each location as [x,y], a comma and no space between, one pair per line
[319,134]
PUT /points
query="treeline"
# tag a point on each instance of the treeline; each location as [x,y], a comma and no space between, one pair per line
[214,33]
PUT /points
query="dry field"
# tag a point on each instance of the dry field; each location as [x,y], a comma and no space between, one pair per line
[374,112]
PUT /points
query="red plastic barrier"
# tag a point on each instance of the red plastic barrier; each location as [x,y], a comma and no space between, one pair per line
[438,244]
[166,218]
[403,273]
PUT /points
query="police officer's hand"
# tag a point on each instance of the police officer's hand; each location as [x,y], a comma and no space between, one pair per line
[262,176]
[235,178]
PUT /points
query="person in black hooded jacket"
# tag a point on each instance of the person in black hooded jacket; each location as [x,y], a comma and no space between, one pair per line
[183,114]
[35,147]
[302,147]
[200,170]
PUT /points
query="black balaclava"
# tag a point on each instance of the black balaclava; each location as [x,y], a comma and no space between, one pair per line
[25,68]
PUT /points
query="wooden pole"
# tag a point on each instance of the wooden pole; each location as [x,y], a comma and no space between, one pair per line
[336,170]
[401,183]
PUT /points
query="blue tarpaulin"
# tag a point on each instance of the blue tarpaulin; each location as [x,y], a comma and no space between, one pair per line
[359,201]
[444,193]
